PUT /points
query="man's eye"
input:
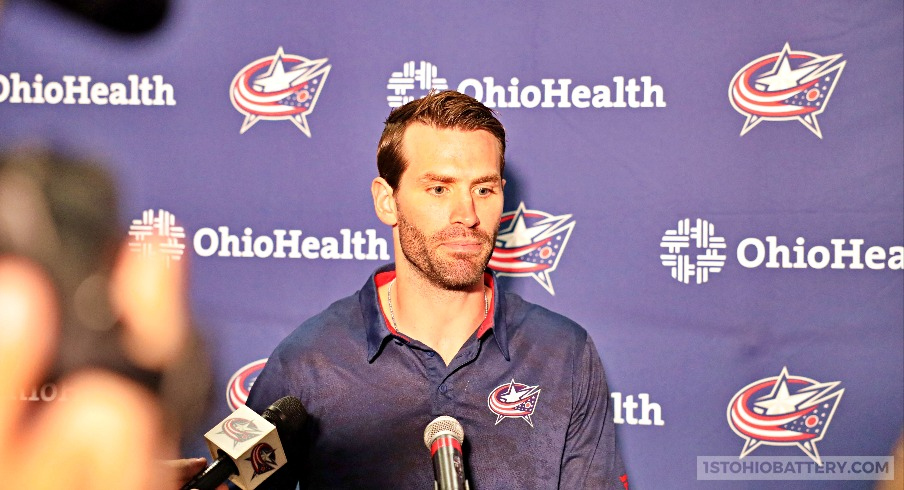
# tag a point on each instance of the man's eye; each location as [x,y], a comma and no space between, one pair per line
[437,190]
[483,191]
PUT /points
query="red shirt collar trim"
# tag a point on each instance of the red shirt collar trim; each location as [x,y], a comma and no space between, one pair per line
[380,280]
[487,323]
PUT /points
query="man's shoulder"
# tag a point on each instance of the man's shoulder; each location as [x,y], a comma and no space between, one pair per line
[332,337]
[336,324]
[526,318]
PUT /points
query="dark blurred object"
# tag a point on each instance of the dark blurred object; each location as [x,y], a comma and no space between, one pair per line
[123,16]
[62,214]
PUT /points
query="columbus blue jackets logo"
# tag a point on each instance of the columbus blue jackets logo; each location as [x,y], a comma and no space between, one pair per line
[514,400]
[241,382]
[262,458]
[785,86]
[279,87]
[530,244]
[239,429]
[784,410]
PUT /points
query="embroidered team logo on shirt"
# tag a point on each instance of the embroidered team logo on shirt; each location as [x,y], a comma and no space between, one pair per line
[514,400]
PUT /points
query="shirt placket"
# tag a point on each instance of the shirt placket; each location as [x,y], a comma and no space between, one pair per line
[444,389]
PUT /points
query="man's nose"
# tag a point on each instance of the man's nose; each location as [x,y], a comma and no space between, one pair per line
[463,211]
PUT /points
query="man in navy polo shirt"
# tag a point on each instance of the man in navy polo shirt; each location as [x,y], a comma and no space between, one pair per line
[433,335]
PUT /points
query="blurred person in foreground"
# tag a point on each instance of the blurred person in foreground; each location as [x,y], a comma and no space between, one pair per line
[110,327]
[897,453]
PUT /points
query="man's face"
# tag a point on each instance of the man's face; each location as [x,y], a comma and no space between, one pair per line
[449,202]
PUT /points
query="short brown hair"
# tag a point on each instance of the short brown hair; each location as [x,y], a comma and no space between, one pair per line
[448,109]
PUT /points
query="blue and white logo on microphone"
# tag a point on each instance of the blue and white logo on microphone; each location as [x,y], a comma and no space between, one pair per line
[262,458]
[240,429]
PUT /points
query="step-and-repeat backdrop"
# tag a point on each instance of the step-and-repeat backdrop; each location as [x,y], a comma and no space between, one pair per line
[714,190]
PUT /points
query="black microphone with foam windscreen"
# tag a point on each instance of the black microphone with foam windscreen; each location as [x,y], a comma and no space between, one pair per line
[249,448]
[443,437]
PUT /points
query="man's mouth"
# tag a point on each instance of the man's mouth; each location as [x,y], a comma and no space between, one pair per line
[463,246]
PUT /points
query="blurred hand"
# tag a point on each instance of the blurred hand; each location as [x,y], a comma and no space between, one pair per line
[182,470]
[109,432]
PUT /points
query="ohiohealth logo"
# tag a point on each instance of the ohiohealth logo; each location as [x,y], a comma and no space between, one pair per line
[530,244]
[279,87]
[785,86]
[417,79]
[693,250]
[698,262]
[157,233]
[402,83]
[784,410]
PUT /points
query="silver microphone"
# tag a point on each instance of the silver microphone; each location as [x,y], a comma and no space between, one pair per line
[443,437]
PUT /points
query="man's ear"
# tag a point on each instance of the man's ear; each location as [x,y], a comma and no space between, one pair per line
[384,201]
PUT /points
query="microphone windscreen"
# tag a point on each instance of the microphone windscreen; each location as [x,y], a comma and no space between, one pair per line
[443,425]
[288,415]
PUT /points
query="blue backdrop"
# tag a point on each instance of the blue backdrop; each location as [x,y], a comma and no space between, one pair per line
[715,191]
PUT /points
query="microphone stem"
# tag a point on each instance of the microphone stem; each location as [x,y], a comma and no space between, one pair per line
[214,475]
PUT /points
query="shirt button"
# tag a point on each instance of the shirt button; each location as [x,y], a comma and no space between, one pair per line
[430,353]
[443,388]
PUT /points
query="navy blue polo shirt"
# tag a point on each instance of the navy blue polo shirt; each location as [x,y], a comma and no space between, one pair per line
[528,388]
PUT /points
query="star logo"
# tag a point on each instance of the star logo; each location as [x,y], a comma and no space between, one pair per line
[279,87]
[530,244]
[240,383]
[785,86]
[262,459]
[514,400]
[239,429]
[784,410]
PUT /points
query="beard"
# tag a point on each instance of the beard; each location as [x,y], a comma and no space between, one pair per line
[452,271]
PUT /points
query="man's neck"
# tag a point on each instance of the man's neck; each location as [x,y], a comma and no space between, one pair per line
[440,318]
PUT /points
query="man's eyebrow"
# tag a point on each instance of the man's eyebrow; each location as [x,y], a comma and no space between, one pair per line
[431,177]
[447,179]
[487,179]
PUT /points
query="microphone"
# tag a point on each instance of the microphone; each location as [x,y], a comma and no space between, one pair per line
[443,437]
[129,17]
[249,447]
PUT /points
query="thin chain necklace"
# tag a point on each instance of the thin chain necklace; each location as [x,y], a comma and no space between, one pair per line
[486,306]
